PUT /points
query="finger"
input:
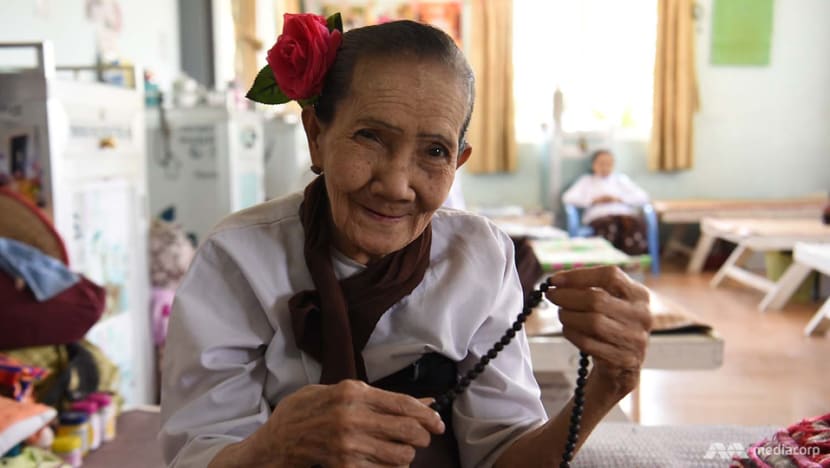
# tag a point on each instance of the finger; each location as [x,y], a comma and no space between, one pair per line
[427,401]
[600,301]
[378,452]
[399,404]
[401,429]
[596,299]
[604,329]
[610,278]
[610,353]
[362,450]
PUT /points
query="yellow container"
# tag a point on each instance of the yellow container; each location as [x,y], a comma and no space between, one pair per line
[777,263]
[75,424]
[68,447]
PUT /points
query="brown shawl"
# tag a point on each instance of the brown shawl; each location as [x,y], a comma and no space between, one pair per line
[334,322]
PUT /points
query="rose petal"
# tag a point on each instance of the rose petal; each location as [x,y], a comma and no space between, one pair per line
[303,55]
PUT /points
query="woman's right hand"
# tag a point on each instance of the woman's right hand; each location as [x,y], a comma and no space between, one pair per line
[347,424]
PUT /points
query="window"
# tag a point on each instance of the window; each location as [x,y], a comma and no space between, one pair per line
[599,53]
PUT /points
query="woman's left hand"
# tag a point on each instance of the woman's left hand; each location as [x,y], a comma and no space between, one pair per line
[605,314]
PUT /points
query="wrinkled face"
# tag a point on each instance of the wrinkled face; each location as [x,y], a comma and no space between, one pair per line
[604,165]
[390,153]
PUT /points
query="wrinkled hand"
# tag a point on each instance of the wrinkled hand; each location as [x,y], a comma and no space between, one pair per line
[350,424]
[605,314]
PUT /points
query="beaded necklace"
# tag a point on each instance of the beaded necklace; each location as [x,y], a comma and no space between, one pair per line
[535,299]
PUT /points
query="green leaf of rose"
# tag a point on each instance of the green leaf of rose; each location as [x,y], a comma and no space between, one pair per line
[308,102]
[265,88]
[334,22]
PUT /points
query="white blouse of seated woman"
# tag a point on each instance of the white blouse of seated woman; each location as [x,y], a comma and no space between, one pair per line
[611,203]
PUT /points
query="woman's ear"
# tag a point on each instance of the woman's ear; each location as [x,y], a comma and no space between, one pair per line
[312,133]
[464,156]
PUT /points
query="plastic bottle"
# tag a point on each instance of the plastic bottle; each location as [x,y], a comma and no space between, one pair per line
[106,413]
[91,409]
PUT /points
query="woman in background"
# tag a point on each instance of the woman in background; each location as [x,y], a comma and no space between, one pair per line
[612,203]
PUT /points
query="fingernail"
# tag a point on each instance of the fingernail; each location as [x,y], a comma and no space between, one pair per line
[557,280]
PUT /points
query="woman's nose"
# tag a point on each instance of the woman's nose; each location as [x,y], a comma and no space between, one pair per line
[392,180]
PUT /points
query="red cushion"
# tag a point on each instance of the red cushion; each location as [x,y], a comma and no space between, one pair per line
[63,319]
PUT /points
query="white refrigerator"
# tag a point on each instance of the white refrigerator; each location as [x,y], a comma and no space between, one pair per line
[77,148]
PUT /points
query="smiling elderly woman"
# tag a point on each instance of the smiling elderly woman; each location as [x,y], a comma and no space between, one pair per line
[317,328]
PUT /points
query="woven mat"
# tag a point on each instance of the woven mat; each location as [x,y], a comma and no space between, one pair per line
[631,445]
[623,445]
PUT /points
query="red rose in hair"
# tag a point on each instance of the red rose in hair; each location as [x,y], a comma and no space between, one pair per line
[303,55]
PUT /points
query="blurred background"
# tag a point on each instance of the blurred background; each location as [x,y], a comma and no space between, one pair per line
[125,123]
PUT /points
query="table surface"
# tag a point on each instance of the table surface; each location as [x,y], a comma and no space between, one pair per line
[665,206]
[744,228]
[693,210]
[814,255]
[566,254]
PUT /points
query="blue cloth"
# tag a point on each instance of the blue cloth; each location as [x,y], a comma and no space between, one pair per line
[44,275]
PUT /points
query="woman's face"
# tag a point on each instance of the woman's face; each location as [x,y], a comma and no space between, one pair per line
[390,153]
[603,165]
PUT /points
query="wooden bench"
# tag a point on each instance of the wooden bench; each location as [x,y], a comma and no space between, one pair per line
[806,258]
[759,235]
[682,213]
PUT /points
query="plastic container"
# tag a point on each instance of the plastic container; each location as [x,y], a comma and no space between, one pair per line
[777,263]
[75,423]
[91,409]
[68,447]
[107,414]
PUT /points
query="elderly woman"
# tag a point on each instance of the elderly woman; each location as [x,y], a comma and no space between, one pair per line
[612,203]
[315,329]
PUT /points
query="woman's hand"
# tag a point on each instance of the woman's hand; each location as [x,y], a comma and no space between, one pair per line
[605,314]
[347,424]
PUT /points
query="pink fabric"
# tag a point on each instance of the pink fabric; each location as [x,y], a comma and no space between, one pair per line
[805,444]
[161,300]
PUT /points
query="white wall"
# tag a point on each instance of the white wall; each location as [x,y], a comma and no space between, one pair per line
[761,131]
[149,37]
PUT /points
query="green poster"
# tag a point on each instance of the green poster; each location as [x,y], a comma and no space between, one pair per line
[741,32]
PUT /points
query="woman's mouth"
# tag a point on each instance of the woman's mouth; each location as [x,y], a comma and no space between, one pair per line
[383,217]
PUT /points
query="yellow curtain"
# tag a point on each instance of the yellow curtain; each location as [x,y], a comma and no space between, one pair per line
[675,88]
[491,131]
[247,42]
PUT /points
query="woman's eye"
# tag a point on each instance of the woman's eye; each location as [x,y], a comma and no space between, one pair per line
[367,134]
[437,151]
